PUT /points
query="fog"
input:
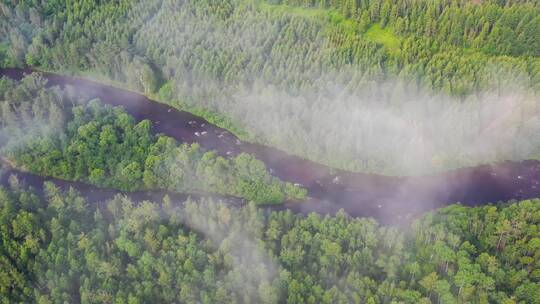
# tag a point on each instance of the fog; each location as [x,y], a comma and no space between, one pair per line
[390,127]
[30,115]
[339,117]
[236,238]
[278,79]
[285,93]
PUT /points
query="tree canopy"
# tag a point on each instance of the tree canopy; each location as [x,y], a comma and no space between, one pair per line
[313,66]
[61,248]
[50,132]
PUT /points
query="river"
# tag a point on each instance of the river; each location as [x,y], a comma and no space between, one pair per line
[385,198]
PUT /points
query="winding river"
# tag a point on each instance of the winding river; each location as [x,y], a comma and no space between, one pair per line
[387,199]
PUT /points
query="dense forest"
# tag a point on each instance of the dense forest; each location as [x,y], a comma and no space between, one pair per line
[400,87]
[50,132]
[494,27]
[348,81]
[60,249]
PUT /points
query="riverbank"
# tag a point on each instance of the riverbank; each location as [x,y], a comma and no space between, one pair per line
[390,199]
[6,162]
[214,118]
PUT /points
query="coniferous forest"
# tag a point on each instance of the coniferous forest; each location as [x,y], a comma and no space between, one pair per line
[381,89]
[64,249]
[335,74]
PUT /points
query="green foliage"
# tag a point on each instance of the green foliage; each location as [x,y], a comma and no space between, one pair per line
[216,118]
[104,146]
[385,36]
[166,92]
[225,59]
[495,27]
[61,248]
[242,64]
[5,60]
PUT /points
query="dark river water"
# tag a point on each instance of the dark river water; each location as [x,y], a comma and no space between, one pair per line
[388,199]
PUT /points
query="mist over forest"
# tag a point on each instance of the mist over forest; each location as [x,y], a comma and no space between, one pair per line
[309,82]
[270,151]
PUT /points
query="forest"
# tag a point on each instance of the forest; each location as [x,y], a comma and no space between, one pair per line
[50,132]
[381,92]
[59,248]
[493,27]
[349,81]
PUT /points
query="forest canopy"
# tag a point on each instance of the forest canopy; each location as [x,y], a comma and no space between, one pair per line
[317,67]
[395,87]
[50,132]
[60,248]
